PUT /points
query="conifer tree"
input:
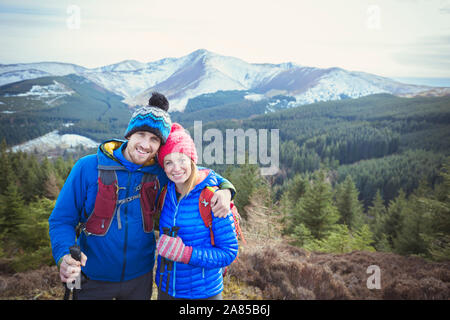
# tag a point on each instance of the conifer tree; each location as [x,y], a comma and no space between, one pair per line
[285,208]
[410,237]
[394,218]
[6,169]
[12,213]
[377,214]
[246,179]
[337,241]
[437,216]
[34,230]
[44,174]
[296,188]
[363,239]
[26,168]
[349,207]
[302,235]
[315,209]
[51,186]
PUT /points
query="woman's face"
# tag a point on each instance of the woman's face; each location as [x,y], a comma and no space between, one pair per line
[177,167]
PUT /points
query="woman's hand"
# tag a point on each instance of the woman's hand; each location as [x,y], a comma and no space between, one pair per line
[173,249]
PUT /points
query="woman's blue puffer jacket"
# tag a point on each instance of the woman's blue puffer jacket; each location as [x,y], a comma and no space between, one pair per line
[202,276]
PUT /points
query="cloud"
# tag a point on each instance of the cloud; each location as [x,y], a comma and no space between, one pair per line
[431,53]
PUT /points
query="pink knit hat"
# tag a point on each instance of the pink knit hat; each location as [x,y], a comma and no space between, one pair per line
[178,141]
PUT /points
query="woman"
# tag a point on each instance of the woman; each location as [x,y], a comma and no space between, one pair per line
[189,266]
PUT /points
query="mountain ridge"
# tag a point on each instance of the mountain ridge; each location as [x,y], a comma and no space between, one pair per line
[203,71]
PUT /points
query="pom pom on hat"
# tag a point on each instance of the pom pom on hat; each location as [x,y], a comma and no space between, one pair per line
[178,141]
[159,100]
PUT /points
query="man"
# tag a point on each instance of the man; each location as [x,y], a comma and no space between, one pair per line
[111,197]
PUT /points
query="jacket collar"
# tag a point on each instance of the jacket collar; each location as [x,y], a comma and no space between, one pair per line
[205,178]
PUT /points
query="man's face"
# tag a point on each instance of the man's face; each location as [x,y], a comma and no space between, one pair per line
[142,146]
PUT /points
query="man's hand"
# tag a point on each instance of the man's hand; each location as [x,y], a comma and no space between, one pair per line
[220,203]
[70,268]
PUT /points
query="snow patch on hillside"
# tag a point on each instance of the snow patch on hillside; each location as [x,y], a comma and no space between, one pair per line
[49,91]
[53,140]
[255,97]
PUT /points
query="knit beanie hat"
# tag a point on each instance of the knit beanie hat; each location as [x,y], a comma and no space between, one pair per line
[153,118]
[178,141]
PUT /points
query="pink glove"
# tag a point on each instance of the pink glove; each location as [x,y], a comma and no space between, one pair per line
[173,249]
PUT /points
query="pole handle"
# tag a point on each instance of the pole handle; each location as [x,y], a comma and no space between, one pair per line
[75,252]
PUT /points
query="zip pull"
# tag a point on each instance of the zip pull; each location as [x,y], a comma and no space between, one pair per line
[119,223]
[118,188]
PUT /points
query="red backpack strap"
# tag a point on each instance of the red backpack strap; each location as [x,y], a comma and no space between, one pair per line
[237,218]
[161,199]
[204,205]
[100,219]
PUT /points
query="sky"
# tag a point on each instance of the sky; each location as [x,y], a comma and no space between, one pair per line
[392,38]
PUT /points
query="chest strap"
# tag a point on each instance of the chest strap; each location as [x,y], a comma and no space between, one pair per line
[107,202]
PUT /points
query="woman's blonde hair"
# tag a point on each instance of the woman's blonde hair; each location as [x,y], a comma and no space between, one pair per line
[191,182]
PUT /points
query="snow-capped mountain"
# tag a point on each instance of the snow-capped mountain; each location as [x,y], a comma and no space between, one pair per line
[23,71]
[205,72]
[202,71]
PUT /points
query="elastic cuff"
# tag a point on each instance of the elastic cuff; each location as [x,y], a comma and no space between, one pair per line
[187,253]
[59,262]
[227,185]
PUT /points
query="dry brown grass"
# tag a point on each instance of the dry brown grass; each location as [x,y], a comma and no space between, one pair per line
[281,271]
[42,284]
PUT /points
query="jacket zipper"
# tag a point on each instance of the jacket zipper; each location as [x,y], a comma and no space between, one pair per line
[174,224]
[125,214]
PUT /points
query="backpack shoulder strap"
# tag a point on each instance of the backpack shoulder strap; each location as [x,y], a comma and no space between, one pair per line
[204,205]
[99,221]
[161,199]
[237,219]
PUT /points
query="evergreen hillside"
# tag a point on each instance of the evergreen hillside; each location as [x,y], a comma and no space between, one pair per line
[384,142]
[70,104]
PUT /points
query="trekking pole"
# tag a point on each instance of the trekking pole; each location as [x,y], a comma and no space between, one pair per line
[173,233]
[162,265]
[75,253]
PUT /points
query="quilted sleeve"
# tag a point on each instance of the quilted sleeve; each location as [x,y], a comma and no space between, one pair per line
[225,249]
[69,205]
